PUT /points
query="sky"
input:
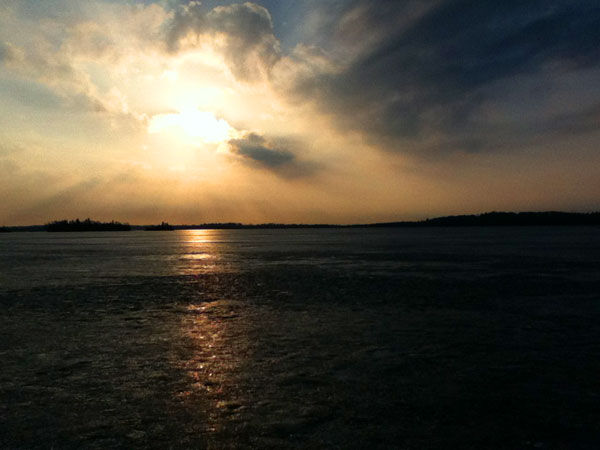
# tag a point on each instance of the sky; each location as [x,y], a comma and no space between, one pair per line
[296,111]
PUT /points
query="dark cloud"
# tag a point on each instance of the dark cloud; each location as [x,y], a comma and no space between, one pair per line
[249,45]
[433,72]
[274,156]
[583,121]
[256,148]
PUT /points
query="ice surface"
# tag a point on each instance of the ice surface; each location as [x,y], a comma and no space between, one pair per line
[350,339]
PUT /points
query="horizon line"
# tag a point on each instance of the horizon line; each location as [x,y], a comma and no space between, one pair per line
[564,214]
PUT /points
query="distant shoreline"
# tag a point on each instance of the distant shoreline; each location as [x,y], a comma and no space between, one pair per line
[491,219]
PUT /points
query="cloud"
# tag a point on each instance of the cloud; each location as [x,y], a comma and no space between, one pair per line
[580,122]
[10,149]
[203,125]
[8,166]
[76,56]
[242,32]
[115,33]
[256,150]
[55,71]
[420,74]
[6,52]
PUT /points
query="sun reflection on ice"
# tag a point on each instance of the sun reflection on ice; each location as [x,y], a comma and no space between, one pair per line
[202,252]
[214,332]
[217,347]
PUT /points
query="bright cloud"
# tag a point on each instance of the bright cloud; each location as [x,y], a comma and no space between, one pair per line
[203,125]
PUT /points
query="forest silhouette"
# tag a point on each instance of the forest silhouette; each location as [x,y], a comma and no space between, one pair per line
[490,219]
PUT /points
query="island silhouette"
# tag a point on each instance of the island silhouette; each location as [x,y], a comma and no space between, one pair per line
[86,225]
[164,226]
[489,219]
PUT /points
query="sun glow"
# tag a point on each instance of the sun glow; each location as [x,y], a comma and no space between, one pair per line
[196,124]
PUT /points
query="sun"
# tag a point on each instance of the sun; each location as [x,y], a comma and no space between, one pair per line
[193,123]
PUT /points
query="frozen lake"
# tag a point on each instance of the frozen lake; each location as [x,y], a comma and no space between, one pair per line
[334,338]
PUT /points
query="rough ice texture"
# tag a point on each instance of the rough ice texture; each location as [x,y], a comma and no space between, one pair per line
[350,339]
